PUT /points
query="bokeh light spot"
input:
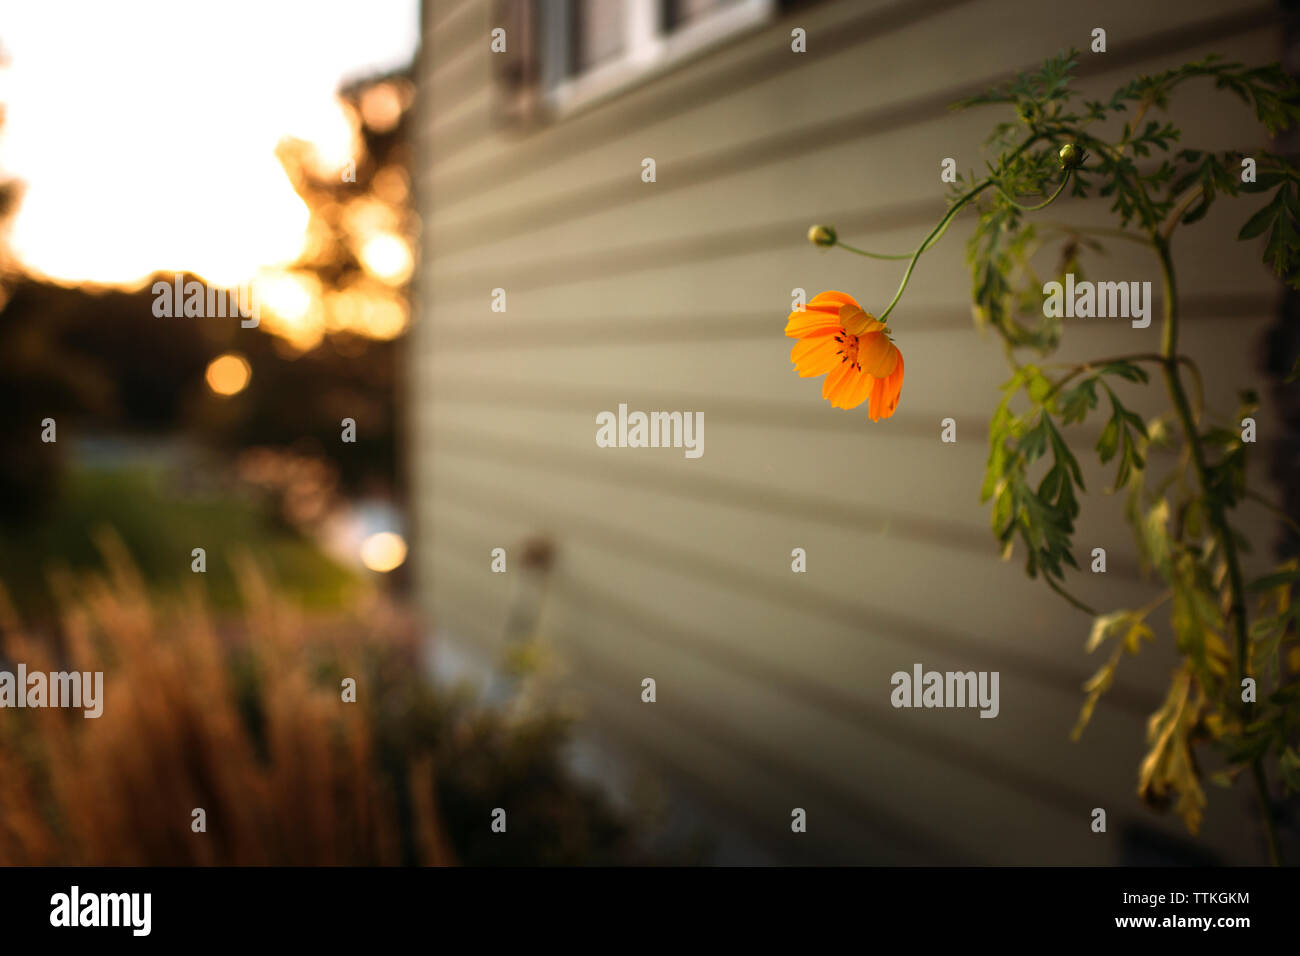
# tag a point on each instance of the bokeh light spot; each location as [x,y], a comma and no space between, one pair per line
[383,551]
[228,374]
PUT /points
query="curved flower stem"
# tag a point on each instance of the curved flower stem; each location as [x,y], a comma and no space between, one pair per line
[935,233]
[1042,205]
[955,208]
[870,255]
[1218,519]
[926,246]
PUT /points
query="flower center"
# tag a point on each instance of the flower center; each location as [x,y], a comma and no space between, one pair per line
[848,350]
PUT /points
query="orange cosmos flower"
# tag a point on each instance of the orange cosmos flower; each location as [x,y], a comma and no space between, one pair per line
[852,349]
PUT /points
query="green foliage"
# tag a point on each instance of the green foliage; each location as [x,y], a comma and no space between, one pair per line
[1180,514]
[1042,517]
[513,756]
[160,523]
[1281,220]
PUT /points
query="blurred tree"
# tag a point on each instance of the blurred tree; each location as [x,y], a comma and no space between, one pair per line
[101,363]
[338,339]
[38,380]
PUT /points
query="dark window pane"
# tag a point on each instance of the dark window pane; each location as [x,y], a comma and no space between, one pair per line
[679,13]
[598,31]
[518,69]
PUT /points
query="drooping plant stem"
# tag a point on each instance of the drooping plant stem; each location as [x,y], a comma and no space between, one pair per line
[958,204]
[937,231]
[1217,517]
[872,255]
[1037,206]
[925,246]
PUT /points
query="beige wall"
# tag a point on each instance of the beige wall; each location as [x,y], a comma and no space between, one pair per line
[774,687]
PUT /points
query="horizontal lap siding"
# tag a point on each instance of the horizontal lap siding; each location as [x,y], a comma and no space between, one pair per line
[773,688]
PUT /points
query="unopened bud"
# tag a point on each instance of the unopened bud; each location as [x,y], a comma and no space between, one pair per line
[1071,156]
[822,235]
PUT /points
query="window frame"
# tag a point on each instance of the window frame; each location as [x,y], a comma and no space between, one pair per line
[647,50]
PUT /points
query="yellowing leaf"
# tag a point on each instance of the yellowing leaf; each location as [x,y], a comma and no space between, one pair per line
[1102,626]
[1169,769]
[1137,632]
[1096,685]
[1217,653]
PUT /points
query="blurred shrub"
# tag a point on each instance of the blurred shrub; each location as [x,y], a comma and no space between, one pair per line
[162,512]
[244,718]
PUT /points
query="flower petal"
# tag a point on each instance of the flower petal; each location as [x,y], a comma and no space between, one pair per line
[830,387]
[884,404]
[853,389]
[832,300]
[815,355]
[877,398]
[846,387]
[812,322]
[858,322]
[876,354]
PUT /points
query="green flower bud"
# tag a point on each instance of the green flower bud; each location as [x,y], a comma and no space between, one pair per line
[1071,156]
[822,235]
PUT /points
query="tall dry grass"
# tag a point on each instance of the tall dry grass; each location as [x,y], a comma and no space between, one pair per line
[243,719]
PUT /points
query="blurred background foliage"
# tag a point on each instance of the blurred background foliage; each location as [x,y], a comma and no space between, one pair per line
[223,688]
[148,446]
[241,715]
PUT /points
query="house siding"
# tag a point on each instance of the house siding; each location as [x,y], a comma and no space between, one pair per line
[773,687]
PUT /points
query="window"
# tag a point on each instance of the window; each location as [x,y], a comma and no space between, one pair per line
[590,49]
[598,34]
[679,12]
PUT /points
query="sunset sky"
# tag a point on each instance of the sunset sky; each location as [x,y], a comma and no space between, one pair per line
[145,132]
